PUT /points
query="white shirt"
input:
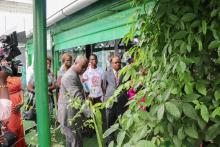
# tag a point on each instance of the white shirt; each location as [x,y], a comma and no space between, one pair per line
[5,109]
[93,79]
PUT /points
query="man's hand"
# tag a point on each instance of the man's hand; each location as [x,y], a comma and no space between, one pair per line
[2,139]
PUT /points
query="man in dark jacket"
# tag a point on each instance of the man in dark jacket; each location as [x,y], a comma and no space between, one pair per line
[111,81]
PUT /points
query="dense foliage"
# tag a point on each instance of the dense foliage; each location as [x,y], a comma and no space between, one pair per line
[179,50]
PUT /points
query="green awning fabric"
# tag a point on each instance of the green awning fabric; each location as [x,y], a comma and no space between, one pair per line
[105,29]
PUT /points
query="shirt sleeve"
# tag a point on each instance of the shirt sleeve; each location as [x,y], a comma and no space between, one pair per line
[104,80]
[72,88]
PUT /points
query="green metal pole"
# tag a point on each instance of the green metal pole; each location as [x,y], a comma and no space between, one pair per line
[40,73]
[56,61]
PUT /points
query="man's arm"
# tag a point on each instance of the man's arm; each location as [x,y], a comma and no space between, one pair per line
[58,83]
[104,82]
[72,87]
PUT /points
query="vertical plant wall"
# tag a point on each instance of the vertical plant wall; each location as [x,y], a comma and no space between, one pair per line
[179,50]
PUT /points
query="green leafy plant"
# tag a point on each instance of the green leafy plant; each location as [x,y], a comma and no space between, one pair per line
[94,117]
[179,49]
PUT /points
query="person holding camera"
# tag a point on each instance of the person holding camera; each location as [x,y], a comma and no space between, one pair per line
[8,51]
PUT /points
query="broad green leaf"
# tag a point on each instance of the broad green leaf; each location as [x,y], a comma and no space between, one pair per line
[199,42]
[216,112]
[181,135]
[126,77]
[201,88]
[111,144]
[140,134]
[177,43]
[170,130]
[188,88]
[214,12]
[98,126]
[177,141]
[195,23]
[190,39]
[129,123]
[189,111]
[145,143]
[169,117]
[143,132]
[161,11]
[149,101]
[189,48]
[215,34]
[190,97]
[170,49]
[191,132]
[212,132]
[111,130]
[182,25]
[166,95]
[201,123]
[173,17]
[204,113]
[188,17]
[174,90]
[180,35]
[183,66]
[120,138]
[160,112]
[217,94]
[172,109]
[214,44]
[204,27]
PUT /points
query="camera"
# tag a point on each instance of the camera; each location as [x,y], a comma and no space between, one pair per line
[8,52]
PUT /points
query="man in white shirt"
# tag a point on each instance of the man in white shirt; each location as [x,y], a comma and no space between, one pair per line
[92,79]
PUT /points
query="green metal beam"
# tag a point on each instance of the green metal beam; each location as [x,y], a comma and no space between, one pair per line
[56,62]
[40,73]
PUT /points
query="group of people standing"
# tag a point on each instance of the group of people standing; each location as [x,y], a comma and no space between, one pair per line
[84,79]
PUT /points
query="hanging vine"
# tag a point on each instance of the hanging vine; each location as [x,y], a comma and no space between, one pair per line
[179,49]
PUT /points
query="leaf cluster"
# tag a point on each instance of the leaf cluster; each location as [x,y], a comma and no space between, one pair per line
[179,50]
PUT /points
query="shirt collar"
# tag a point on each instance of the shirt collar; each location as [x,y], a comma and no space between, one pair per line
[114,71]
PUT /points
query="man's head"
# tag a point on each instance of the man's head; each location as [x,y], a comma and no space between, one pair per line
[116,62]
[81,64]
[93,60]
